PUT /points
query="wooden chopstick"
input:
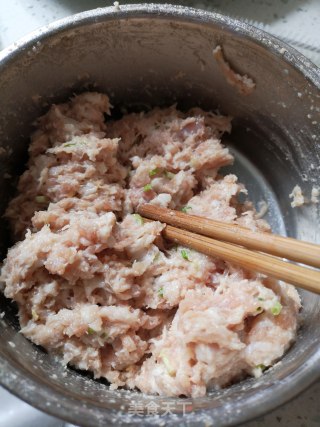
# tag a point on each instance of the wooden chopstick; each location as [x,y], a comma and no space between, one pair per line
[305,278]
[284,247]
[300,276]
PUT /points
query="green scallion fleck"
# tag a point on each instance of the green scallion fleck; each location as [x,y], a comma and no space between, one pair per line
[260,299]
[259,309]
[160,292]
[169,175]
[185,254]
[185,209]
[170,369]
[69,144]
[41,199]
[276,309]
[138,218]
[91,331]
[156,257]
[35,315]
[194,162]
[147,187]
[154,172]
[262,367]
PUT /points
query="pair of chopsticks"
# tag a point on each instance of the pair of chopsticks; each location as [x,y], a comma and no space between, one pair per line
[242,246]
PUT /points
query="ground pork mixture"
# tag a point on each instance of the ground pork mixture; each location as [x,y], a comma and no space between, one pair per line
[98,286]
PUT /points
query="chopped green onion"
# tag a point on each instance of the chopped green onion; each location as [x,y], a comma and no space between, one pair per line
[160,292]
[186,208]
[156,257]
[138,218]
[41,199]
[69,144]
[154,172]
[147,187]
[185,254]
[91,331]
[276,309]
[194,162]
[259,309]
[169,175]
[261,299]
[262,367]
[167,364]
[104,335]
[72,144]
[35,315]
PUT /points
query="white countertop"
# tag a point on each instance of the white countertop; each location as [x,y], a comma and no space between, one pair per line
[295,21]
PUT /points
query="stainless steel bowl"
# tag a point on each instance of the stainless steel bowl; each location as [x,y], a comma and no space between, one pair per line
[158,55]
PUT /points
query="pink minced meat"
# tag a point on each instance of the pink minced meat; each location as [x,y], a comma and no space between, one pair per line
[243,84]
[99,287]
